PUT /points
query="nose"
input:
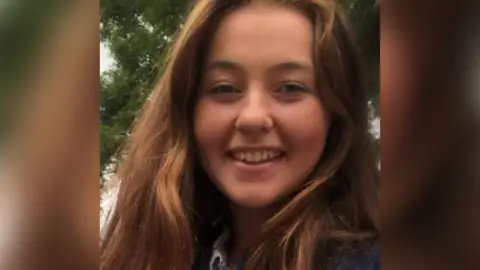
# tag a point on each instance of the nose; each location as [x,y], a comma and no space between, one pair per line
[254,116]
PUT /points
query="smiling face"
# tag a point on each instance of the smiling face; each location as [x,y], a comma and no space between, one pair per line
[259,123]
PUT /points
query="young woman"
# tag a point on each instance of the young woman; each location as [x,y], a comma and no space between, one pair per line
[253,151]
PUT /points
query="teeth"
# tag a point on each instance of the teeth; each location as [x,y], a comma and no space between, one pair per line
[256,156]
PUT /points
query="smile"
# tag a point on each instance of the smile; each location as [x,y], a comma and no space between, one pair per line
[256,157]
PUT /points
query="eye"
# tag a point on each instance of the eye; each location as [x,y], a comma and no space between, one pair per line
[291,88]
[224,88]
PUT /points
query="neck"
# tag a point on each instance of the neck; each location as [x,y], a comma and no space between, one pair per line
[246,225]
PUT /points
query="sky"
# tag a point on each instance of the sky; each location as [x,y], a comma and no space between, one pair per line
[106,59]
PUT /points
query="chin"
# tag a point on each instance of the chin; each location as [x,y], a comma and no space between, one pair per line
[254,200]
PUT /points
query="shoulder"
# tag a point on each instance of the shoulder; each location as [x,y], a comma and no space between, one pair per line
[365,258]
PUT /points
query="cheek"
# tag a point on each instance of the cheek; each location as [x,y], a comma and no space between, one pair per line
[210,128]
[305,126]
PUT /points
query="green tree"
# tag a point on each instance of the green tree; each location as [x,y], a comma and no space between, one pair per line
[138,35]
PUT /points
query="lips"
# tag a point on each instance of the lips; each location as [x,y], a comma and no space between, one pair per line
[256,164]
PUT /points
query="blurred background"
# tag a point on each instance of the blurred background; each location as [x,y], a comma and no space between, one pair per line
[430,63]
[23,25]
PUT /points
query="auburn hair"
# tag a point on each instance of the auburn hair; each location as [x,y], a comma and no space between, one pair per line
[166,204]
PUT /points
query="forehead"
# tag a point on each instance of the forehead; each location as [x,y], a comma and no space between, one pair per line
[264,30]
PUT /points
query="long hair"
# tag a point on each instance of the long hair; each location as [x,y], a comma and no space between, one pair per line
[166,203]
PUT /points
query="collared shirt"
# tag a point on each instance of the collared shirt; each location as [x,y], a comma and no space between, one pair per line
[218,260]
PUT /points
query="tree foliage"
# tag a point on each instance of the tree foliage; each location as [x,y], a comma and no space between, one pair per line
[138,34]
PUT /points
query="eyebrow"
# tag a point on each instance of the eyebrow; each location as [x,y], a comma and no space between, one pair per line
[284,66]
[224,64]
[292,66]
